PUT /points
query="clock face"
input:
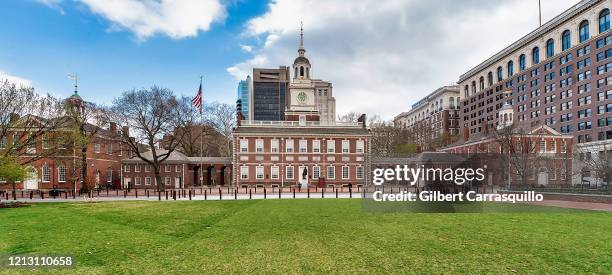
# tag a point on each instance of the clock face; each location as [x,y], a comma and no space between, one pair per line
[302,97]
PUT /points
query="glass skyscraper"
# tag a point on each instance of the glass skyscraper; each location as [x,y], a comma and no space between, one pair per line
[243,96]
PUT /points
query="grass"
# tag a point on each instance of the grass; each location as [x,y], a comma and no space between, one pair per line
[304,236]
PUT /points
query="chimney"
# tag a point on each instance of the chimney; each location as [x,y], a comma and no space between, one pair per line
[113,127]
[362,119]
[125,130]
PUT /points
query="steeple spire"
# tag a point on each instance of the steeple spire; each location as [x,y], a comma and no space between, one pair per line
[301,50]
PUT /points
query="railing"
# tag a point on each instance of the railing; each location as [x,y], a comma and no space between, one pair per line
[299,124]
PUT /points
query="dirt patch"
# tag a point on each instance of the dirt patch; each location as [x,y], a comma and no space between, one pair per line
[14,204]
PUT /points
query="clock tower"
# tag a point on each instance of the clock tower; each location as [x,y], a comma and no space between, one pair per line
[302,105]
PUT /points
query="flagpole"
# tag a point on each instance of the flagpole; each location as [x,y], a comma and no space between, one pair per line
[201,137]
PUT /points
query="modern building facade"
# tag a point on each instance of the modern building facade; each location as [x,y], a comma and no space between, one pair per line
[292,153]
[435,116]
[243,95]
[559,75]
[270,88]
[325,101]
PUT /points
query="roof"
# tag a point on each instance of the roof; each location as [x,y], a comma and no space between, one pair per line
[301,59]
[301,131]
[180,158]
[535,34]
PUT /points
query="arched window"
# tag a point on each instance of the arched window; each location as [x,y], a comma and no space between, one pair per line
[481,83]
[46,173]
[535,55]
[490,78]
[500,73]
[473,87]
[301,71]
[296,72]
[451,102]
[61,173]
[604,20]
[550,48]
[510,68]
[522,62]
[583,30]
[466,91]
[566,42]
[307,72]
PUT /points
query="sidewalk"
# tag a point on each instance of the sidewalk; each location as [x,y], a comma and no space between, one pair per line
[576,204]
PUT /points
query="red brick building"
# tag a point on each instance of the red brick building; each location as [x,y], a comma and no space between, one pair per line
[291,153]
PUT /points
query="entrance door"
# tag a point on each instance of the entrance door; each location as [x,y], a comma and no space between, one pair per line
[543,177]
[178,183]
[127,182]
[303,176]
[31,181]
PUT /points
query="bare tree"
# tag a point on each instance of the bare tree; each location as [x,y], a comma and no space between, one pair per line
[594,161]
[223,118]
[152,116]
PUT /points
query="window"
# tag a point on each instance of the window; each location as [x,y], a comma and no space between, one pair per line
[148,181]
[45,142]
[244,172]
[473,87]
[289,172]
[331,172]
[61,173]
[604,20]
[289,145]
[121,149]
[359,172]
[303,146]
[359,146]
[535,55]
[137,168]
[97,147]
[542,145]
[244,145]
[46,173]
[259,172]
[109,175]
[331,146]
[109,149]
[564,146]
[178,168]
[147,168]
[584,31]
[316,146]
[490,79]
[126,168]
[345,146]
[500,74]
[510,68]
[345,172]
[274,172]
[565,40]
[550,48]
[522,62]
[167,181]
[553,146]
[316,172]
[259,145]
[274,146]
[137,181]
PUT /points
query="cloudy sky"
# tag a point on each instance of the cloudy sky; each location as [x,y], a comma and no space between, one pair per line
[381,56]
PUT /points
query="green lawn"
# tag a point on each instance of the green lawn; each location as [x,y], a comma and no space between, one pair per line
[304,236]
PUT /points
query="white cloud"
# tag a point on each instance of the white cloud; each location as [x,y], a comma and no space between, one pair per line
[382,56]
[18,81]
[175,18]
[54,4]
[246,48]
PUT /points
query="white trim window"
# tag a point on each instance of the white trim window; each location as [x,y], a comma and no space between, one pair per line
[178,168]
[359,172]
[137,181]
[259,173]
[244,172]
[345,172]
[359,146]
[553,146]
[274,172]
[167,180]
[167,168]
[316,146]
[110,148]
[109,176]
[331,172]
[147,167]
[563,146]
[303,146]
[316,172]
[126,168]
[148,181]
[331,146]
[136,167]
[259,145]
[542,146]
[61,173]
[345,146]
[274,146]
[46,173]
[244,145]
[289,172]
[289,145]
[96,147]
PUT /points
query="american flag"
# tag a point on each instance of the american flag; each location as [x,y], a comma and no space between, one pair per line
[197,100]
